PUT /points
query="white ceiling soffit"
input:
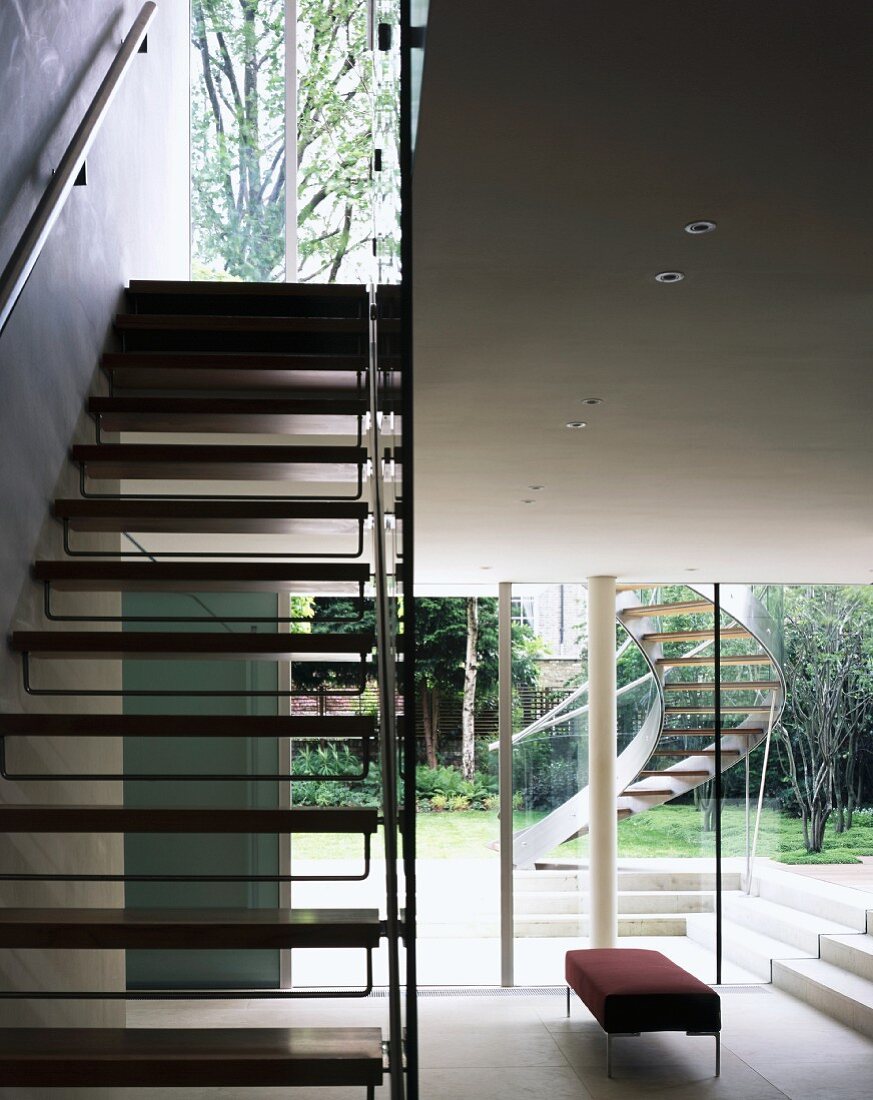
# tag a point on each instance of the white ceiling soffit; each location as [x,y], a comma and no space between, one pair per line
[563,148]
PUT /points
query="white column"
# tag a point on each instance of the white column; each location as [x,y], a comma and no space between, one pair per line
[504,654]
[602,748]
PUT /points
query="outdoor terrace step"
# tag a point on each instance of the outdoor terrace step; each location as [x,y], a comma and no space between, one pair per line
[780,922]
[630,903]
[566,925]
[830,989]
[31,818]
[852,952]
[207,461]
[804,893]
[742,945]
[190,1057]
[197,929]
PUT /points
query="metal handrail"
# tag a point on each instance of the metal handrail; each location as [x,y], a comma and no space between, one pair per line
[27,251]
[385,666]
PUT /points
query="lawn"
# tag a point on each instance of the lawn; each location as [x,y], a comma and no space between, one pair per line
[664,832]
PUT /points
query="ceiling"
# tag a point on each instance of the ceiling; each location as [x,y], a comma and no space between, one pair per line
[562,149]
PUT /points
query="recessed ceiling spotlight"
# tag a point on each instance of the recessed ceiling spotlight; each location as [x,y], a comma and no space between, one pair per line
[697,229]
[486,566]
[669,276]
[536,488]
[527,502]
[692,569]
[576,424]
[592,400]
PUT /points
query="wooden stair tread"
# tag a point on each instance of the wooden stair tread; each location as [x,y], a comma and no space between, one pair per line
[709,731]
[241,323]
[278,415]
[240,462]
[694,752]
[696,635]
[726,685]
[31,818]
[209,288]
[205,1057]
[726,659]
[682,774]
[188,928]
[647,792]
[711,709]
[198,576]
[333,728]
[684,607]
[246,646]
[216,516]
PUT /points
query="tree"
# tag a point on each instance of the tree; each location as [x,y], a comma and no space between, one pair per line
[238,140]
[471,669]
[829,672]
[442,654]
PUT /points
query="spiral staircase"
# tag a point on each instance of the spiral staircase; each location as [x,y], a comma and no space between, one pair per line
[671,751]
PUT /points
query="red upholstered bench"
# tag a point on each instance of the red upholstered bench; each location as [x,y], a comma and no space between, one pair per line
[629,991]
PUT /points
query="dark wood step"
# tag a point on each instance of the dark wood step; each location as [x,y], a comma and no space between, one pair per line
[87,644]
[207,461]
[196,288]
[332,728]
[726,685]
[227,371]
[190,1057]
[213,516]
[29,818]
[647,792]
[145,576]
[224,323]
[238,929]
[696,635]
[279,415]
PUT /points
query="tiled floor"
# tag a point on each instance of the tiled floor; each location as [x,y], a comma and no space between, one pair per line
[515,1048]
[523,1048]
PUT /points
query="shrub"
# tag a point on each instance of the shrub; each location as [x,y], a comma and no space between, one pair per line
[800,855]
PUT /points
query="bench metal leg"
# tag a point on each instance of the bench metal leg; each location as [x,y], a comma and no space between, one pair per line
[717,1036]
[568,1002]
[610,1035]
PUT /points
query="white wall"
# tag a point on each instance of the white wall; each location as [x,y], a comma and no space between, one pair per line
[131,221]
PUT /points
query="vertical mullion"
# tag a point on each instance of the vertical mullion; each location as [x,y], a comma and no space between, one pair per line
[504,711]
[718,781]
[290,141]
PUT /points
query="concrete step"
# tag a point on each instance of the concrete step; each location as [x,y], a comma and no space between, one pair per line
[853,953]
[779,922]
[810,895]
[751,950]
[644,901]
[554,877]
[830,989]
[632,924]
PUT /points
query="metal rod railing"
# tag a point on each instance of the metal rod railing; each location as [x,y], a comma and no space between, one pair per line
[29,247]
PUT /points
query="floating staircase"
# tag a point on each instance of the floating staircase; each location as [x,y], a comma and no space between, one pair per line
[673,751]
[254,423]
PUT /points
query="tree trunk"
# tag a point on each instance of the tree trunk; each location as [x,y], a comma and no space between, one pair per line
[471,669]
[430,711]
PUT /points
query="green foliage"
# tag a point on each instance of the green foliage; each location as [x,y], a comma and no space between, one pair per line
[238,149]
[834,855]
[443,788]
